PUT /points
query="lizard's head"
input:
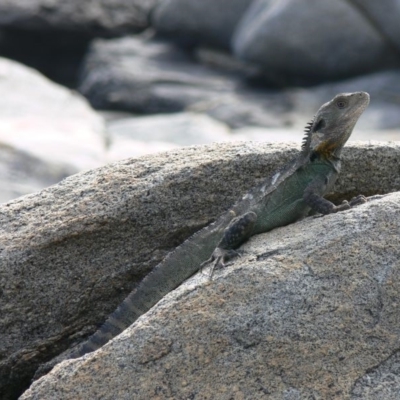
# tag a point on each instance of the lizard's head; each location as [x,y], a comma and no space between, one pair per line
[333,123]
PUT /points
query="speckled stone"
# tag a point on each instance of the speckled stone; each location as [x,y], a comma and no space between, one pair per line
[304,313]
[70,253]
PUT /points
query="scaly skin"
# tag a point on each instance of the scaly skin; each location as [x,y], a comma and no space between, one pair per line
[284,198]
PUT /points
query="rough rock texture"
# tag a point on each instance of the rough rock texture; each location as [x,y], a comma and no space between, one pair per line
[303,314]
[150,76]
[193,21]
[70,253]
[46,120]
[90,17]
[284,38]
[20,173]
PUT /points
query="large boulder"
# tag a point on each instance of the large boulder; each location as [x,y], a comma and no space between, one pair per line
[309,311]
[70,253]
[194,21]
[310,41]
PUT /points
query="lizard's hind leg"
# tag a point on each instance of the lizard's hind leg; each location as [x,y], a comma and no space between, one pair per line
[236,233]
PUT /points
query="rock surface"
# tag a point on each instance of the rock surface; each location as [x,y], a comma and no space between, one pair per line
[46,120]
[303,314]
[193,21]
[284,38]
[70,253]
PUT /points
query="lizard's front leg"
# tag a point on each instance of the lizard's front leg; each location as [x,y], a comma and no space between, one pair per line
[312,198]
[236,233]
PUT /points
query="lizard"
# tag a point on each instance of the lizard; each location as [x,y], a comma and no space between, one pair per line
[285,197]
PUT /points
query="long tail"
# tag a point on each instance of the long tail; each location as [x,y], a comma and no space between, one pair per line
[178,266]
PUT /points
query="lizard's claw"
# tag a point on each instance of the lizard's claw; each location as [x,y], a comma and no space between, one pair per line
[360,199]
[355,201]
[219,258]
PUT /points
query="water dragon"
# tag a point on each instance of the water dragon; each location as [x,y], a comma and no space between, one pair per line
[285,197]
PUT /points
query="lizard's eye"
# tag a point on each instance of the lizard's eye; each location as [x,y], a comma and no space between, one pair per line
[341,104]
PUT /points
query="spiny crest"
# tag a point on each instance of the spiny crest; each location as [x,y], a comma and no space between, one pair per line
[307,131]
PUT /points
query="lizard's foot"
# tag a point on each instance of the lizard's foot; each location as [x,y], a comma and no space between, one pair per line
[355,201]
[360,199]
[218,259]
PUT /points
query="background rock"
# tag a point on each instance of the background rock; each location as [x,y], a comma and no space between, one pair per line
[90,18]
[193,21]
[71,253]
[148,76]
[307,310]
[384,15]
[162,132]
[293,49]
[46,120]
[53,36]
[21,173]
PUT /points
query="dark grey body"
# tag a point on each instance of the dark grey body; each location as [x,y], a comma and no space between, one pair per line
[282,199]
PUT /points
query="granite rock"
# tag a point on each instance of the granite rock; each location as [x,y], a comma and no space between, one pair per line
[70,253]
[304,313]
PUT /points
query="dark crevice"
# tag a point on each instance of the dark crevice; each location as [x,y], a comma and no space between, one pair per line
[57,55]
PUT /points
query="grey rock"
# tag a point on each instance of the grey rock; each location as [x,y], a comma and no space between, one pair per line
[21,173]
[284,38]
[302,314]
[143,75]
[48,121]
[194,21]
[89,18]
[382,382]
[70,253]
